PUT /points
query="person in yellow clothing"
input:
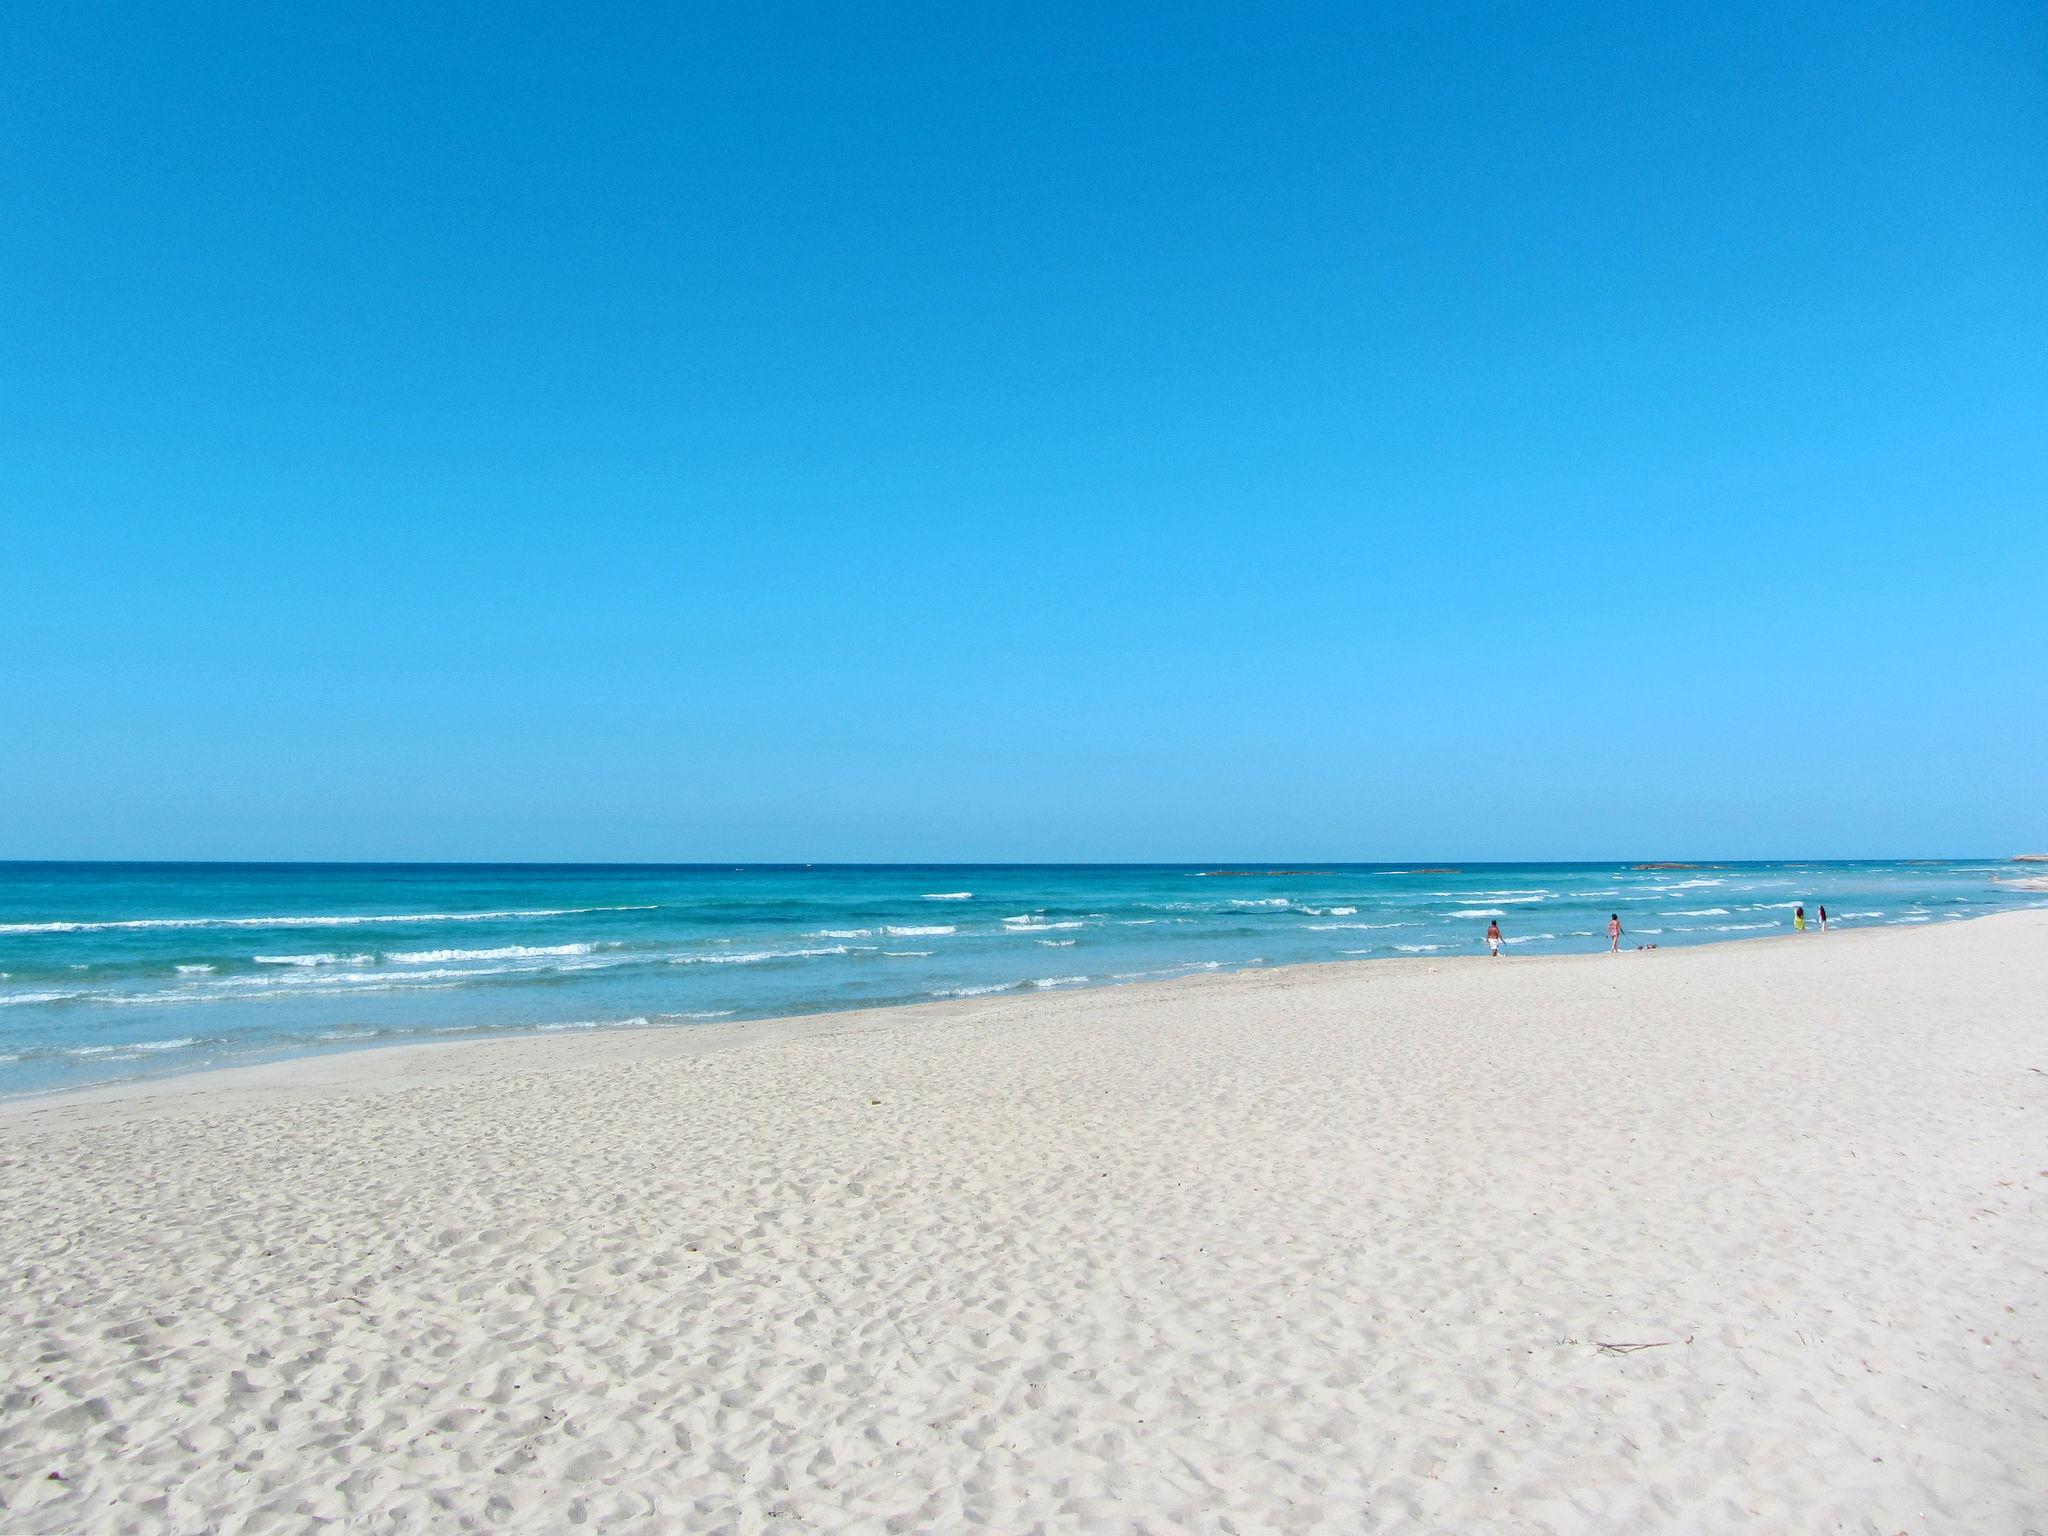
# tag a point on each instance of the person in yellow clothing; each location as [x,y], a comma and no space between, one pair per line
[1799,919]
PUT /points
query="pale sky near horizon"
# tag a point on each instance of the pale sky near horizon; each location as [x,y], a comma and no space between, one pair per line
[1061,433]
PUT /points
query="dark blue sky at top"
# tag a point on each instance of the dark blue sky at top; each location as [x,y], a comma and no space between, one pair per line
[1040,432]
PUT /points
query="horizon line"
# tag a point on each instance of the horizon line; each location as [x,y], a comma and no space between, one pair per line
[1240,866]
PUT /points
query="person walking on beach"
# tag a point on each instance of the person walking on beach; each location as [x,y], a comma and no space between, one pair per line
[1799,919]
[1614,933]
[1823,919]
[1493,938]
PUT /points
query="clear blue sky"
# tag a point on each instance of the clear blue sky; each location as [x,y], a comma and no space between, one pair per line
[1041,432]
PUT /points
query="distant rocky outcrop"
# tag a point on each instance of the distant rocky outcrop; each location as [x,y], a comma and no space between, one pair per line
[1667,866]
[2030,858]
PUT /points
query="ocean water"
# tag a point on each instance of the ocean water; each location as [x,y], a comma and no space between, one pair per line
[117,971]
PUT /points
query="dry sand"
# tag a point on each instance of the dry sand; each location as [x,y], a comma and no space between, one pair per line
[1751,1238]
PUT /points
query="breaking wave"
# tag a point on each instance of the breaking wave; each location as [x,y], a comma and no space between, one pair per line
[340,920]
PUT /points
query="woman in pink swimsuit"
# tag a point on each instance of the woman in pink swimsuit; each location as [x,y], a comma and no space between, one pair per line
[1614,933]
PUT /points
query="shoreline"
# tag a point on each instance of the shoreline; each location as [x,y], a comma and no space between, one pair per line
[401,1064]
[136,979]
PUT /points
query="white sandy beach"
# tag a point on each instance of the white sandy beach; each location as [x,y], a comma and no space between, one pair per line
[1745,1238]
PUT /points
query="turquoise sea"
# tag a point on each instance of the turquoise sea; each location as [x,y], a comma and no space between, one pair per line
[111,971]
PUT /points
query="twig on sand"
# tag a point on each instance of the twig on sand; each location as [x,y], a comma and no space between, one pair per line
[1629,1349]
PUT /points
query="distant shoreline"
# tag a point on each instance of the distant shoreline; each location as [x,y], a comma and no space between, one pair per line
[397,1064]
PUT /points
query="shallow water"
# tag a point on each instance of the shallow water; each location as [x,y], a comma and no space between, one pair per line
[116,971]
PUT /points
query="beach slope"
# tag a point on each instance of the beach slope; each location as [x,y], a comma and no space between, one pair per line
[1742,1238]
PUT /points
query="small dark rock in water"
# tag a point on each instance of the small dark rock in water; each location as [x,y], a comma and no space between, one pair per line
[1665,866]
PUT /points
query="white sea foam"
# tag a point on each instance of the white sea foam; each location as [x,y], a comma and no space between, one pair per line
[917,932]
[17,999]
[349,980]
[506,952]
[638,1021]
[1059,981]
[1734,927]
[1478,912]
[1001,986]
[339,920]
[949,895]
[1330,927]
[1343,911]
[313,959]
[908,954]
[841,933]
[1056,943]
[1701,912]
[1531,938]
[1032,925]
[165,1045]
[1260,901]
[323,982]
[754,956]
[193,970]
[1417,949]
[1178,968]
